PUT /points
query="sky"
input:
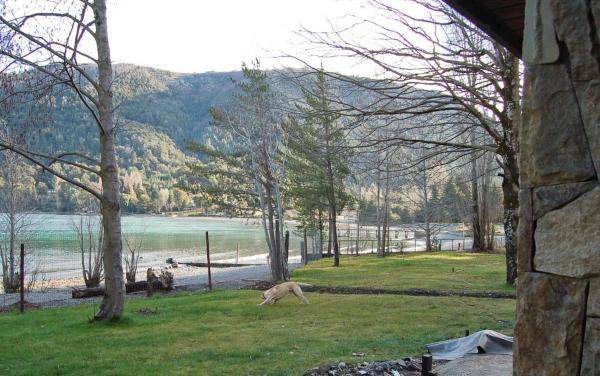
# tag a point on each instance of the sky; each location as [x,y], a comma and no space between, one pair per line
[217,35]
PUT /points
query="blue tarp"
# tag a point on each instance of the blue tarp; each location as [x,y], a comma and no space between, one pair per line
[485,341]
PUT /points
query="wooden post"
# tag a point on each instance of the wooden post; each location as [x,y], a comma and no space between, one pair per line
[426,364]
[208,263]
[22,278]
[237,253]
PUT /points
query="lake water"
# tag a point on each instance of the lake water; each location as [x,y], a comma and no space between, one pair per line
[160,233]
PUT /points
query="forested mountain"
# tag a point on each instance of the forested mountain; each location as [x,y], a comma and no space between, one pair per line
[159,113]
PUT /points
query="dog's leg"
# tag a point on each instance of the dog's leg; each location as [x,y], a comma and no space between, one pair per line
[298,292]
[266,301]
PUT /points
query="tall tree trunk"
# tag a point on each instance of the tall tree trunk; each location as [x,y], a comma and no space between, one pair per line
[333,212]
[379,245]
[110,205]
[510,219]
[475,221]
[12,276]
[428,247]
[336,245]
[276,271]
[330,231]
[510,179]
[358,222]
[283,258]
[385,231]
[320,233]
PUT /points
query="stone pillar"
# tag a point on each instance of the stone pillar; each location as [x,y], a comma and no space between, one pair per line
[558,289]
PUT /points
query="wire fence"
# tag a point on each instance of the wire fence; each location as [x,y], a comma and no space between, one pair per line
[54,262]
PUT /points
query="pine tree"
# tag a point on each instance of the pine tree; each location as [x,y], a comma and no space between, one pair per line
[318,160]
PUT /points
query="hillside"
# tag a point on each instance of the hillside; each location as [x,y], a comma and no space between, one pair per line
[159,113]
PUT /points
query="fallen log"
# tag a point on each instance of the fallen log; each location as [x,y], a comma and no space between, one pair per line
[89,292]
[172,262]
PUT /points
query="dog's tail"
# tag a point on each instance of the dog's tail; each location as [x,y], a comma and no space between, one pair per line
[304,284]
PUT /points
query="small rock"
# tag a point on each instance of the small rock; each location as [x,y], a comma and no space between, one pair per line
[362,372]
[395,373]
[342,365]
[323,369]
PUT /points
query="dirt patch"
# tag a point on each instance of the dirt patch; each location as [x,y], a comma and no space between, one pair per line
[405,367]
[265,285]
[260,285]
[147,311]
[411,292]
[15,307]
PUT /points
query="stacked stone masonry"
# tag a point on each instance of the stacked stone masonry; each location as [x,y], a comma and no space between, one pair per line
[558,299]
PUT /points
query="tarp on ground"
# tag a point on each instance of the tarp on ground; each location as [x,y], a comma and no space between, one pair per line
[485,341]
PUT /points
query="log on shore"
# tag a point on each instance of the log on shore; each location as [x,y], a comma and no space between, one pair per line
[172,262]
[129,287]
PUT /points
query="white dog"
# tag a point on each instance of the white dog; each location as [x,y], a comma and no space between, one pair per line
[272,295]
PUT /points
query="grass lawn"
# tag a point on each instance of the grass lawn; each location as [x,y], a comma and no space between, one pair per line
[226,333]
[427,270]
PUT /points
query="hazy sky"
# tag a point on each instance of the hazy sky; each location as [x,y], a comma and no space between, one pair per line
[215,35]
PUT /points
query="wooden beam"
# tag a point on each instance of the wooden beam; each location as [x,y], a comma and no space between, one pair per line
[484,18]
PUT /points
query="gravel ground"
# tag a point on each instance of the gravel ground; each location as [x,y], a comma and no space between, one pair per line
[478,365]
[186,279]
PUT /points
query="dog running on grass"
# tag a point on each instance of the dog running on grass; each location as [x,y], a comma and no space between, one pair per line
[275,293]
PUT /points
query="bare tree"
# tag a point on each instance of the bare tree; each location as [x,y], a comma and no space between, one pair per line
[134,244]
[89,235]
[429,60]
[50,39]
[255,127]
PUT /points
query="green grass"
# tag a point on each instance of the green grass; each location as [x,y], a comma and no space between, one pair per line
[225,333]
[426,270]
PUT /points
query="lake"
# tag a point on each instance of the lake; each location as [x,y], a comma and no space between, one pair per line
[160,233]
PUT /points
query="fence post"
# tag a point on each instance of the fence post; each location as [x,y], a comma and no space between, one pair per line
[22,278]
[426,364]
[208,263]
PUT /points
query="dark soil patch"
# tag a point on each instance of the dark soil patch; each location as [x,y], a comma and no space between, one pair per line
[147,311]
[411,292]
[405,367]
[265,285]
[260,285]
[15,307]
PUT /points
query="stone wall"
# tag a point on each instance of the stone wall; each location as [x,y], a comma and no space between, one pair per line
[558,294]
